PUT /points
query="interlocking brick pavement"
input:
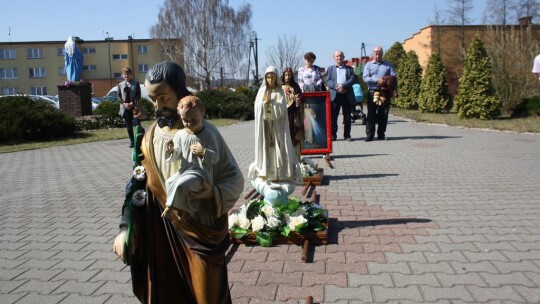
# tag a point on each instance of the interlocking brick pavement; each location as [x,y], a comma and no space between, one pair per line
[435,214]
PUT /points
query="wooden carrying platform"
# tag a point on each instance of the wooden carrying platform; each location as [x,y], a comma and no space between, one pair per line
[315,179]
[301,239]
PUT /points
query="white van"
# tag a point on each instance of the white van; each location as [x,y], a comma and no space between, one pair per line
[113,93]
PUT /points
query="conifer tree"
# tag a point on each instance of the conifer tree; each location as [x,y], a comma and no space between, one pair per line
[395,54]
[476,96]
[409,80]
[434,94]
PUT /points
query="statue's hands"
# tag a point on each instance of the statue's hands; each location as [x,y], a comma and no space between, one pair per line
[119,241]
[197,149]
[206,192]
[167,213]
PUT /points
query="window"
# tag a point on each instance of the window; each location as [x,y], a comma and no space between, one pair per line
[61,70]
[35,53]
[60,51]
[9,91]
[37,73]
[7,54]
[142,49]
[91,67]
[143,68]
[119,56]
[88,50]
[118,75]
[9,73]
[38,91]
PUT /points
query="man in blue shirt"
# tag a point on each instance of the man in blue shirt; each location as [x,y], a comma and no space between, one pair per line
[373,74]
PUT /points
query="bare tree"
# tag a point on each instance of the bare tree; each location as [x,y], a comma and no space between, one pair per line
[458,13]
[512,79]
[497,12]
[286,53]
[524,8]
[437,21]
[212,33]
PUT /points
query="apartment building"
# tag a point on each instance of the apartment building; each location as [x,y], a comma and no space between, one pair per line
[37,67]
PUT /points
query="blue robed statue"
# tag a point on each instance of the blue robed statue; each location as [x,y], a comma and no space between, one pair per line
[73,59]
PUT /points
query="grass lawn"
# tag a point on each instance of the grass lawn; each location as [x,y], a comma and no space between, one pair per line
[521,125]
[90,136]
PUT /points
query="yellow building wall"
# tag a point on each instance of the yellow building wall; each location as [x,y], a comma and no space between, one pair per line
[102,78]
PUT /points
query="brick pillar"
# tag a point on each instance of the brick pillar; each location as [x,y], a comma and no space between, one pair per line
[75,99]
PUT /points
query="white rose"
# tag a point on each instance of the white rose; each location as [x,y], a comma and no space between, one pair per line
[233,218]
[295,221]
[273,222]
[243,222]
[257,224]
[268,211]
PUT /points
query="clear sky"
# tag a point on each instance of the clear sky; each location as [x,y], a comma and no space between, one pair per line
[323,25]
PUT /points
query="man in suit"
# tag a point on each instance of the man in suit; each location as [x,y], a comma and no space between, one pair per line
[340,79]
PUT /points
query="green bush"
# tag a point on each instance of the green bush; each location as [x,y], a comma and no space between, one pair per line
[23,119]
[226,104]
[97,122]
[148,106]
[527,107]
[108,108]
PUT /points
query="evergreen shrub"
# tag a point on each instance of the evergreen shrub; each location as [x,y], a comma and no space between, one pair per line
[223,103]
[476,96]
[24,119]
[434,93]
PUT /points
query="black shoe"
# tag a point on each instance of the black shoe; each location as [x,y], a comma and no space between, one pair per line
[334,138]
[381,138]
[131,145]
[348,139]
[369,139]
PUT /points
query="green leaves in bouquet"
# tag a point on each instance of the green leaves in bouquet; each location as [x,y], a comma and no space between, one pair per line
[238,232]
[264,239]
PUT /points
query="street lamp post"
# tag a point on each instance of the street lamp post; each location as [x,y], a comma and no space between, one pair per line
[108,39]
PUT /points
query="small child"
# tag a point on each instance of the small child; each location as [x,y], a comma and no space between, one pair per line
[197,150]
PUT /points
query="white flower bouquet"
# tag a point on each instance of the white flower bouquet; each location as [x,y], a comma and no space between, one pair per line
[267,221]
[308,167]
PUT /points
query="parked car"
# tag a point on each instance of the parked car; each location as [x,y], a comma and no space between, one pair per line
[46,99]
[113,93]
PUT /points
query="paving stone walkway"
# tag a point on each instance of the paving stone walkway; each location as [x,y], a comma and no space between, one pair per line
[435,214]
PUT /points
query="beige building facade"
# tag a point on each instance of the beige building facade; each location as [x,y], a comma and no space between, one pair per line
[37,68]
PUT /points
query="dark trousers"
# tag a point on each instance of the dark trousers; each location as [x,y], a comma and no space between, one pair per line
[130,122]
[376,115]
[341,102]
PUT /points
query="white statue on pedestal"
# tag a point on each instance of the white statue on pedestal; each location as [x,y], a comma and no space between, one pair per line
[276,170]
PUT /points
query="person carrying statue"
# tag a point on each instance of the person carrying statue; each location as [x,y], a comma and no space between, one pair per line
[179,258]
